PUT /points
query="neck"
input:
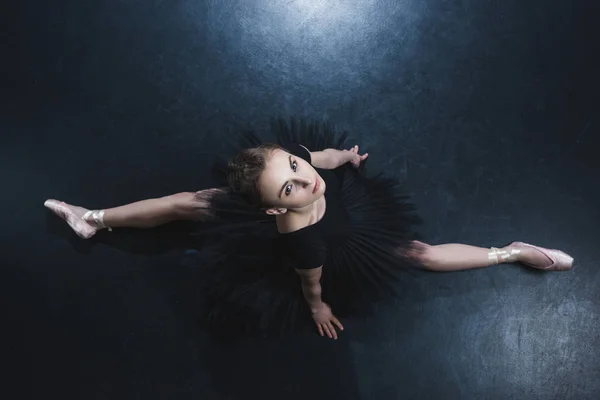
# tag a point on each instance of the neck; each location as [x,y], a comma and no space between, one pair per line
[309,209]
[306,209]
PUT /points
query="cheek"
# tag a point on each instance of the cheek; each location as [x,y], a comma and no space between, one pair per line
[309,168]
[309,197]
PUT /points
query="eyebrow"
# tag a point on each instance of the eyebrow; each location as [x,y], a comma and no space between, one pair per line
[286,182]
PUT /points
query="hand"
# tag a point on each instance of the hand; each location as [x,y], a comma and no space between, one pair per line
[325,321]
[355,158]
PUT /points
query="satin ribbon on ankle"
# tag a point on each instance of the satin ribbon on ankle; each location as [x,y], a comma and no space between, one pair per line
[98,217]
[496,256]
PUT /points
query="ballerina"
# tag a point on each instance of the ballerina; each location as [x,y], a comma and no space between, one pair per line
[301,232]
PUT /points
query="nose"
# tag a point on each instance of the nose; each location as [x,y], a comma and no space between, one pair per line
[304,181]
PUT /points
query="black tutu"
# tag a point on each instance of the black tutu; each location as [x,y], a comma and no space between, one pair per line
[249,286]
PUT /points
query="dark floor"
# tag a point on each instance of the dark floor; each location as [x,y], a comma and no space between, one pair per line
[489,109]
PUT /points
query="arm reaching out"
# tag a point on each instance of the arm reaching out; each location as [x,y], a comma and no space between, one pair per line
[320,311]
[332,158]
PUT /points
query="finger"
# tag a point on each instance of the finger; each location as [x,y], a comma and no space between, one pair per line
[320,329]
[364,156]
[338,323]
[356,149]
[332,330]
[326,329]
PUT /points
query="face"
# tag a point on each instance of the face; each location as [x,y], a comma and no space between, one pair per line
[289,182]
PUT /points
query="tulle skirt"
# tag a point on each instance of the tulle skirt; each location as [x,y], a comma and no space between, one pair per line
[247,283]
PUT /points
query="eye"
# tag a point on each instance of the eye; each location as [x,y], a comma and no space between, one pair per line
[288,190]
[294,166]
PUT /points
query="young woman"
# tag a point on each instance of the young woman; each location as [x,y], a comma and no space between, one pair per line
[300,232]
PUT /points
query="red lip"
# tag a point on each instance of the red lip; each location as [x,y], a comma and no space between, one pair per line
[317,184]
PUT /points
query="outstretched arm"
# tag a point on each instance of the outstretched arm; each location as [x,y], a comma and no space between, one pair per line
[320,311]
[333,158]
[311,287]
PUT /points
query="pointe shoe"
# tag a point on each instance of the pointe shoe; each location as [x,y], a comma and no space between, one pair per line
[79,223]
[561,261]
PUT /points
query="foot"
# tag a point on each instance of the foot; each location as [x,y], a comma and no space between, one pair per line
[75,217]
[539,257]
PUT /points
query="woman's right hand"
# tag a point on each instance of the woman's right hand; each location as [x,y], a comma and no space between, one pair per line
[325,321]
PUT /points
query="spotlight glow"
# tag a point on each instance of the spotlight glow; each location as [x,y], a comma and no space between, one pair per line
[310,41]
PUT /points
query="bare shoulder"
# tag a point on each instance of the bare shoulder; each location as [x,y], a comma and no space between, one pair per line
[290,222]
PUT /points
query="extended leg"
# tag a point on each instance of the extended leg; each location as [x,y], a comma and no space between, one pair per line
[141,214]
[455,257]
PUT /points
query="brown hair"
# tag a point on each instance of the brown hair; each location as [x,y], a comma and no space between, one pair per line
[244,170]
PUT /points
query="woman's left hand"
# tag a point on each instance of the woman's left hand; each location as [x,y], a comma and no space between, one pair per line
[326,321]
[355,157]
